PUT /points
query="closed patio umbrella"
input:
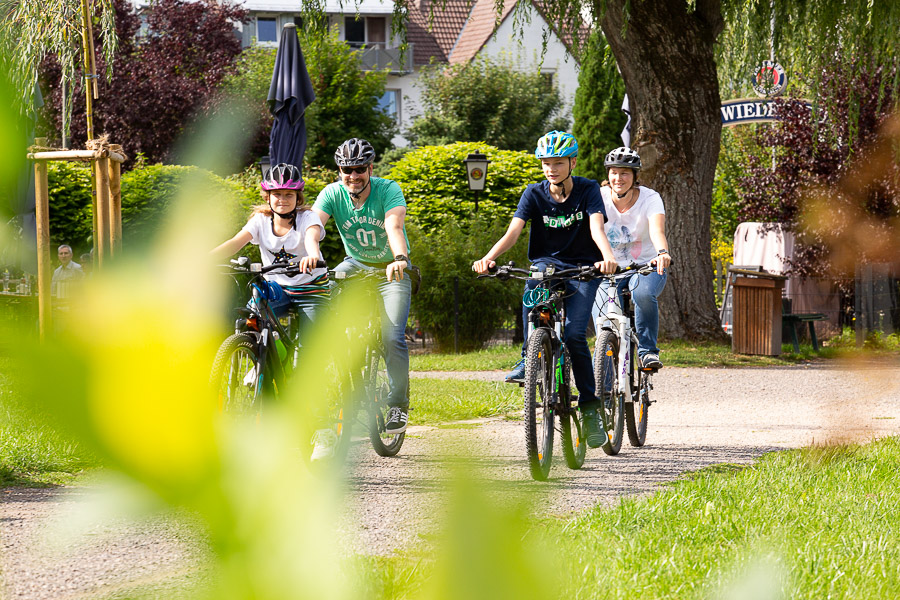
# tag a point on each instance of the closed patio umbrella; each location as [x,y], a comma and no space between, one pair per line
[290,93]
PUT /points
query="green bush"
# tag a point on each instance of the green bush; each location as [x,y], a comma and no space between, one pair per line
[346,103]
[447,253]
[69,185]
[497,100]
[147,194]
[434,183]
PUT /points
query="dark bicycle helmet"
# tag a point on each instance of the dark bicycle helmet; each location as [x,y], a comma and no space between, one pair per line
[282,177]
[354,152]
[623,157]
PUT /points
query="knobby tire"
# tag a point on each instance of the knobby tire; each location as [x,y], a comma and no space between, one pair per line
[606,380]
[539,417]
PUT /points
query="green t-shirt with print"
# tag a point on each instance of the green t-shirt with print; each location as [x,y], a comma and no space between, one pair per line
[362,230]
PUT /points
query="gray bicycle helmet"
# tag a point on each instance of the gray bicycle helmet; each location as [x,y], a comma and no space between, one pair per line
[623,157]
[355,152]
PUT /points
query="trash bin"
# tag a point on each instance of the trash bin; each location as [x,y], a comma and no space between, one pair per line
[756,324]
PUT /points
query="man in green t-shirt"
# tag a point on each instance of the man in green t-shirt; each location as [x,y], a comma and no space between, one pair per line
[369,213]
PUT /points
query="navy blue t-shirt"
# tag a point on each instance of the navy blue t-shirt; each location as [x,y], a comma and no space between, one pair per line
[561,231]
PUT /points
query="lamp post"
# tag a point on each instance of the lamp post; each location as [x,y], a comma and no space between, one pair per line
[265,164]
[476,169]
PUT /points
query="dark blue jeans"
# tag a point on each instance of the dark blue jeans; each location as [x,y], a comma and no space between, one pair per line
[579,299]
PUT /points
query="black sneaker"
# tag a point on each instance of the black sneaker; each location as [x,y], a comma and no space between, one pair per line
[651,361]
[396,420]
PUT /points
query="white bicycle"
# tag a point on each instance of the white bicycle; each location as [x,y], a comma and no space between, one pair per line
[622,384]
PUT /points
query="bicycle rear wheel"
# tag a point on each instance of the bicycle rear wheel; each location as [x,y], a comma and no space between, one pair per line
[539,384]
[612,404]
[378,390]
[235,376]
[638,411]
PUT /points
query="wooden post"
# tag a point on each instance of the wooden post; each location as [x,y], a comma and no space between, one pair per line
[101,172]
[44,266]
[115,206]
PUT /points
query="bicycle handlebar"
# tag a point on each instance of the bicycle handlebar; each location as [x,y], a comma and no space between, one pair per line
[257,268]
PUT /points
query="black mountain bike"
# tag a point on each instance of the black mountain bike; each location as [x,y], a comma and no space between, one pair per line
[254,364]
[548,369]
[256,359]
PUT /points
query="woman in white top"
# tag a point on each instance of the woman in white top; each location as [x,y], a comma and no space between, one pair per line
[286,230]
[636,229]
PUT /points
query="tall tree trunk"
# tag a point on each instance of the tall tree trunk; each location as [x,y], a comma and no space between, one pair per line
[666,58]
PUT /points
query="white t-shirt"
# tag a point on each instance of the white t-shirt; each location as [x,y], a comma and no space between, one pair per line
[629,232]
[287,247]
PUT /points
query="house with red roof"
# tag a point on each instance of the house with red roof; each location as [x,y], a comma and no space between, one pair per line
[450,33]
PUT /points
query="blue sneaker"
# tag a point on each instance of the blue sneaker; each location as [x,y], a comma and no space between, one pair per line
[517,375]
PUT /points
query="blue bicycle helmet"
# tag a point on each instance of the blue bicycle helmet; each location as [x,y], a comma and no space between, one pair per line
[557,144]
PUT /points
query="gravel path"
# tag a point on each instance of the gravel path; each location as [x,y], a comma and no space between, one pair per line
[701,417]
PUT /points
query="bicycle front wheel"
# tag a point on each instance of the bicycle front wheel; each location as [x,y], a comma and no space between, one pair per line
[378,391]
[539,393]
[638,411]
[236,376]
[612,404]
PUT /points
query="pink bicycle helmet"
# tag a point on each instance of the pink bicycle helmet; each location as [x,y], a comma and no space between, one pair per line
[282,177]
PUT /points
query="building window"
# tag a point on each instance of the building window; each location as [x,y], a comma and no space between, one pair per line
[376,30]
[298,21]
[389,103]
[355,31]
[266,29]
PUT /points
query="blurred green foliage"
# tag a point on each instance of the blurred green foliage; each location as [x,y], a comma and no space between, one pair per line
[488,99]
[435,185]
[599,119]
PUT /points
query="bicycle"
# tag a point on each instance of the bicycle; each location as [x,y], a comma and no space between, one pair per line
[371,380]
[245,368]
[628,394]
[246,372]
[548,369]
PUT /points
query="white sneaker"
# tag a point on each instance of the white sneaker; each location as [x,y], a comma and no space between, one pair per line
[250,378]
[325,440]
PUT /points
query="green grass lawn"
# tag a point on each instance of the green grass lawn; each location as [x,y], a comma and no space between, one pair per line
[675,353]
[441,400]
[31,453]
[813,523]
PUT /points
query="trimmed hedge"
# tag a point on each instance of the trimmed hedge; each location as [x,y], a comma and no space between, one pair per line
[447,236]
[436,188]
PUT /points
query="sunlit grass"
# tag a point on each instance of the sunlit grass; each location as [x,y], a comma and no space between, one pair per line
[32,452]
[675,353]
[440,400]
[813,523]
[501,357]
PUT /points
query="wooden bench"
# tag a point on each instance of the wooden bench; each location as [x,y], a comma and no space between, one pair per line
[792,320]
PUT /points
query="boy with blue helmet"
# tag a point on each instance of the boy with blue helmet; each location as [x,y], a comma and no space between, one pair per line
[567,218]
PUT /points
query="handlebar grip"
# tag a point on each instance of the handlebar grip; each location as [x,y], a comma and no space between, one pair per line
[321,264]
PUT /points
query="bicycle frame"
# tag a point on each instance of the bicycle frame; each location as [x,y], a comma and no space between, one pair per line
[615,313]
